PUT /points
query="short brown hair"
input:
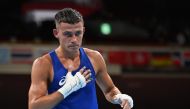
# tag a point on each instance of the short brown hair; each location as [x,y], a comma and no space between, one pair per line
[68,15]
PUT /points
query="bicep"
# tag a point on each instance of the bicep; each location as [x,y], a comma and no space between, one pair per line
[103,79]
[39,77]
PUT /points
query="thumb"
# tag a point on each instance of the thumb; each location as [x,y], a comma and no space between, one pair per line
[70,67]
[122,103]
[69,74]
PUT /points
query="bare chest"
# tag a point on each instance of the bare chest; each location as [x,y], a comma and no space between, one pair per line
[70,65]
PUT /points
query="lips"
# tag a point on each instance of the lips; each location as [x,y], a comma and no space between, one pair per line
[73,46]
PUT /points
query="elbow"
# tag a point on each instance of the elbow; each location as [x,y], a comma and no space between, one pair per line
[32,104]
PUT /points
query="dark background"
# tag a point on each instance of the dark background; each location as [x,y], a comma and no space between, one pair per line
[161,19]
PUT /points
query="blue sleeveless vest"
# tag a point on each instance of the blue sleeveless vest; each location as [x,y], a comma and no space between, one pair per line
[84,98]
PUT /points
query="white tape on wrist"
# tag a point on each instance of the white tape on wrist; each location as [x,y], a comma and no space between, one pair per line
[73,83]
[120,97]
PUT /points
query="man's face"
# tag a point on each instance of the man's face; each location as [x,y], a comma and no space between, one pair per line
[70,35]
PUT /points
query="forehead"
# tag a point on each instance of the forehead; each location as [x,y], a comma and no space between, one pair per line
[69,27]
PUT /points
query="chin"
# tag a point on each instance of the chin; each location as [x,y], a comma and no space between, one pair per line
[74,49]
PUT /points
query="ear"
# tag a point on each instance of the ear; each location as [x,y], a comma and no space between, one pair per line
[55,33]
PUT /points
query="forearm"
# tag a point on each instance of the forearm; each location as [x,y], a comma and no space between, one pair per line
[110,94]
[46,102]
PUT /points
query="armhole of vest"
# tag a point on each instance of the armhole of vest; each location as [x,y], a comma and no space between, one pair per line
[52,62]
[90,63]
[52,53]
[52,59]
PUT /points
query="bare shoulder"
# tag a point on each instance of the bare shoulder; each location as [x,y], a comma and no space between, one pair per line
[92,53]
[42,65]
[43,60]
[96,59]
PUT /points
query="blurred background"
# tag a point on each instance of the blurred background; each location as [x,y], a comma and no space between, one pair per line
[145,43]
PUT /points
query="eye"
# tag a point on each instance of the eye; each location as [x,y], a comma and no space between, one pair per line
[78,33]
[67,34]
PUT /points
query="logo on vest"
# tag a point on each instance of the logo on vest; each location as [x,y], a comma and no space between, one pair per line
[62,81]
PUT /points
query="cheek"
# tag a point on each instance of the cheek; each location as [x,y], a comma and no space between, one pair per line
[61,39]
[79,40]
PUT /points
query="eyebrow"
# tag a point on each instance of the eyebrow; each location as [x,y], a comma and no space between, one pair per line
[76,33]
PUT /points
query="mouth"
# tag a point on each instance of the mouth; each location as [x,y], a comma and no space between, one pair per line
[73,46]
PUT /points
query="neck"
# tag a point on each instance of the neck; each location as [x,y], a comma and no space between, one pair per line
[68,54]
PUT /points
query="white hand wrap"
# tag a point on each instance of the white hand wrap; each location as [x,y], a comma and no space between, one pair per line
[120,97]
[73,83]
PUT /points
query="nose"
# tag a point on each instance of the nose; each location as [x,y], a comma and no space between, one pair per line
[74,38]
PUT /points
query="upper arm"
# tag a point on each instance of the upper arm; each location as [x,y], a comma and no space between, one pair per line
[103,79]
[39,79]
